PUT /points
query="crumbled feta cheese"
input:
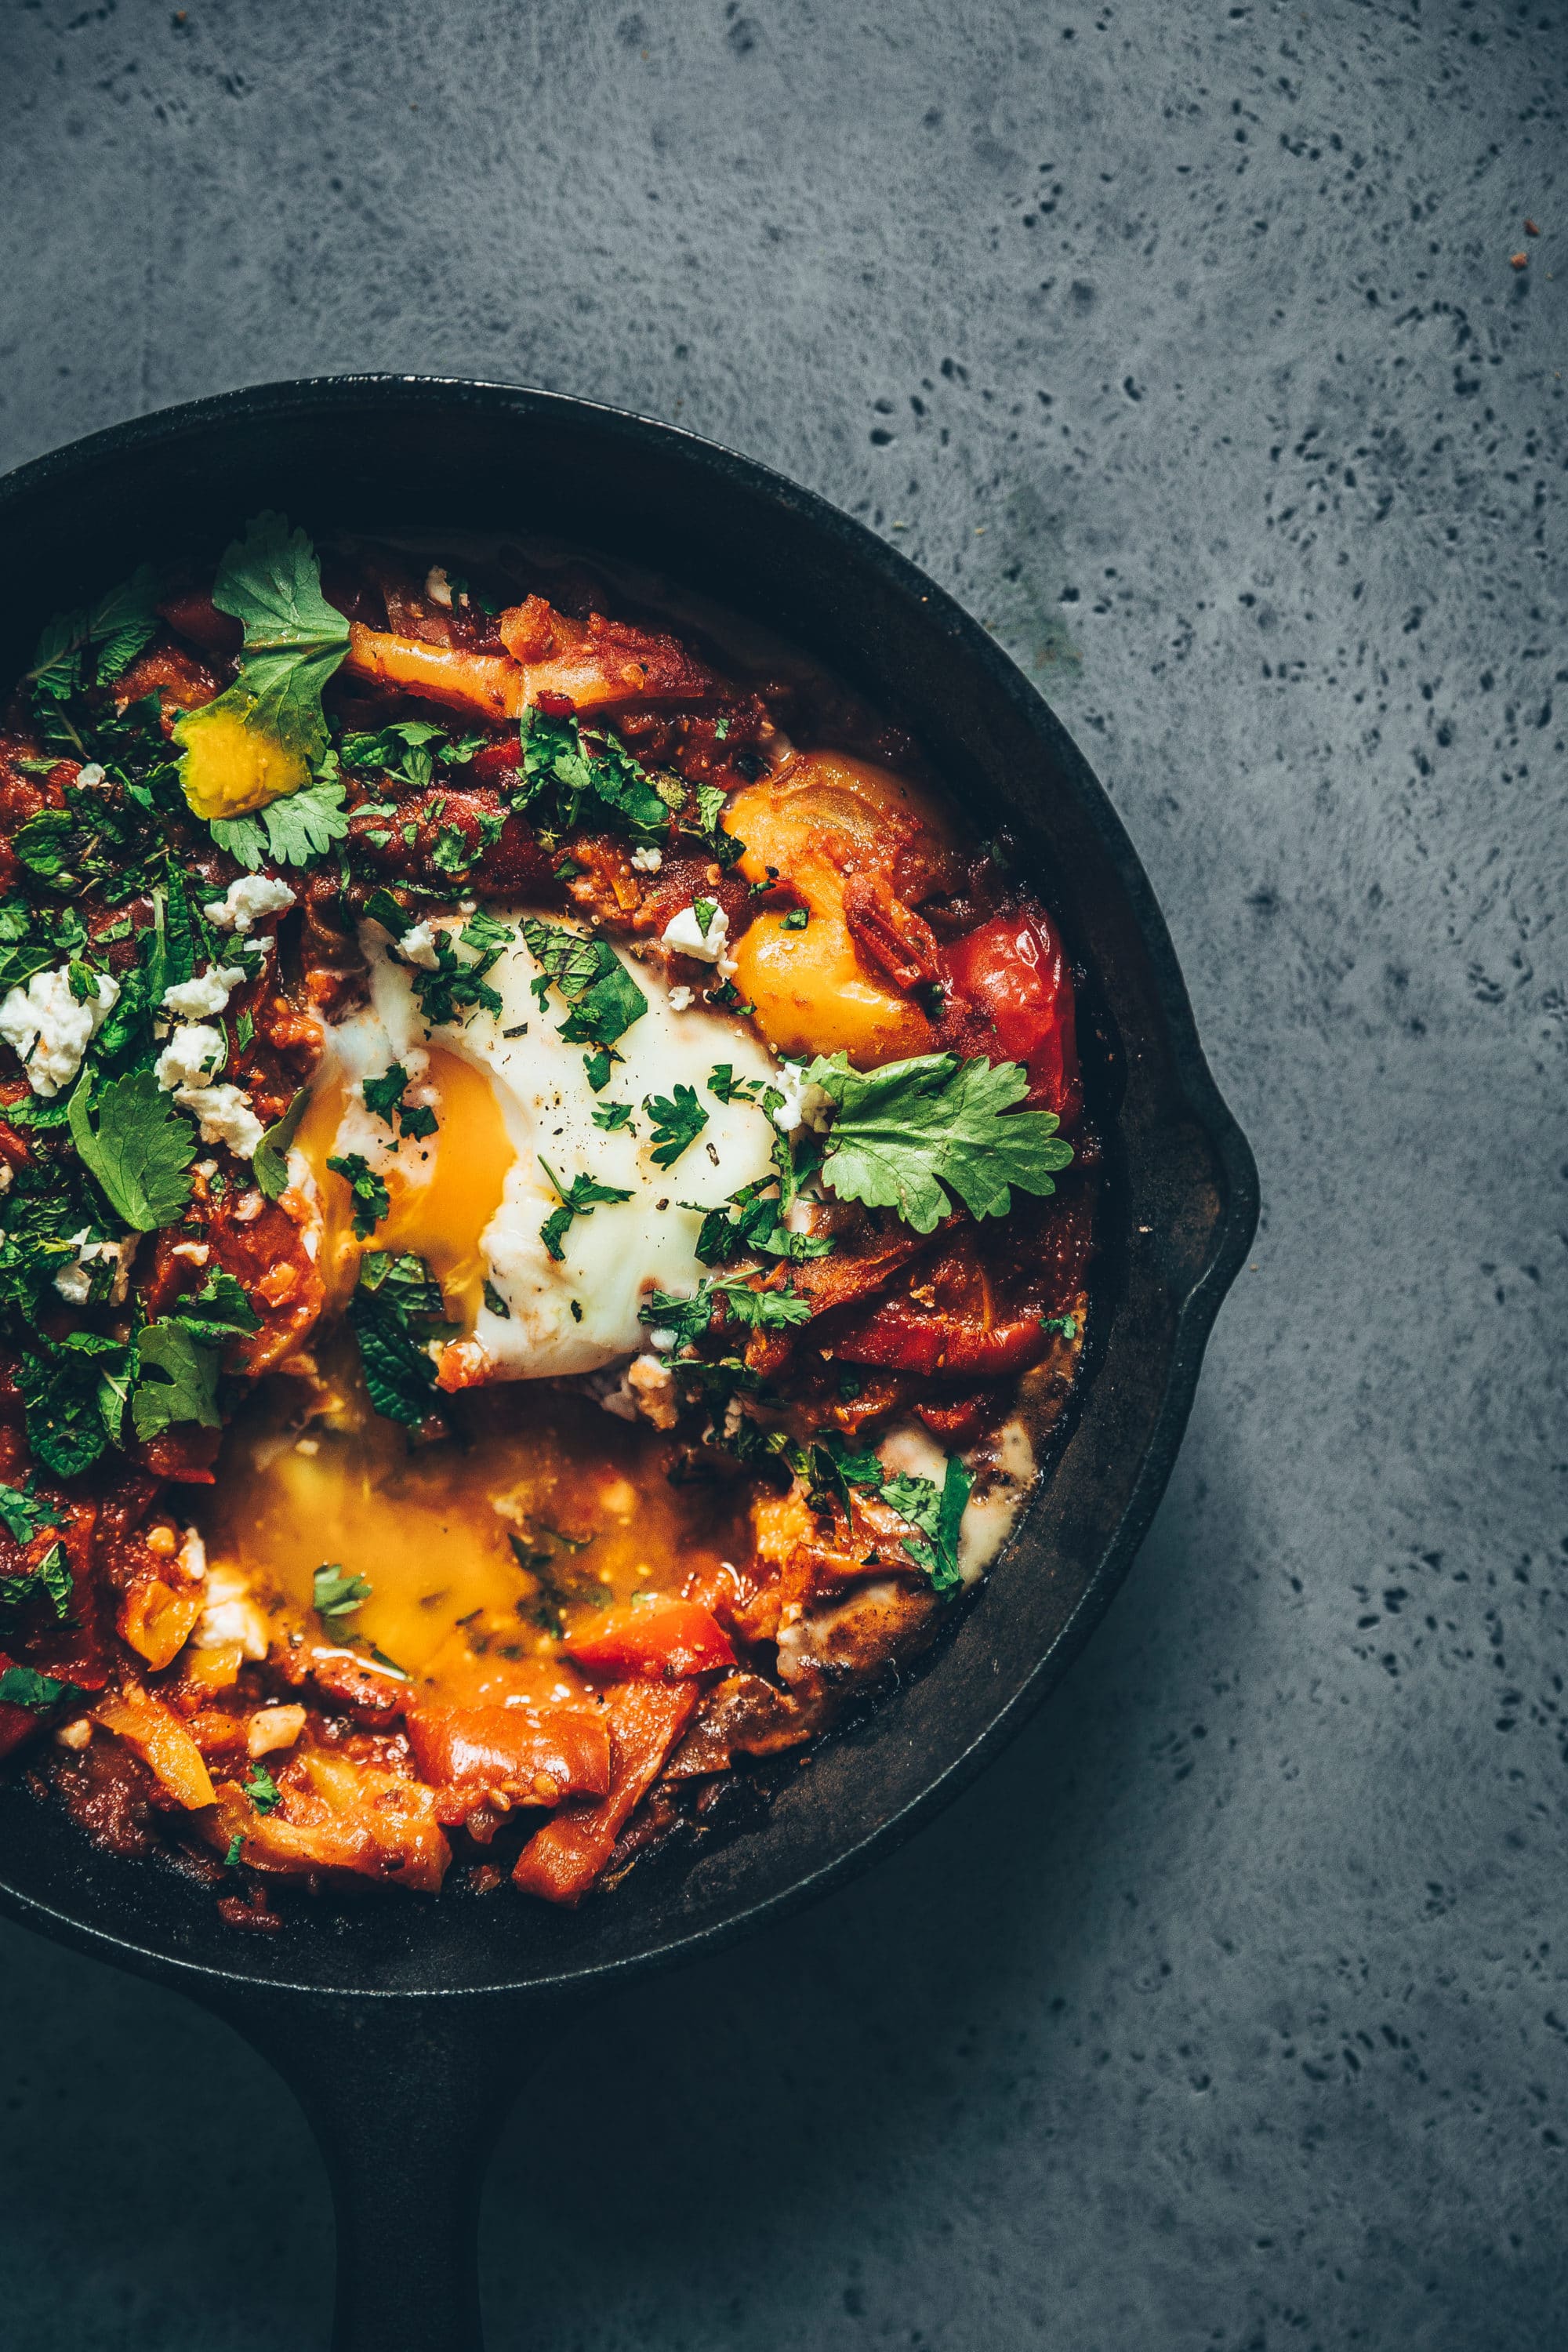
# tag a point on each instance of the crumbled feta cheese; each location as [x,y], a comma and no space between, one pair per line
[50,1029]
[91,776]
[418,945]
[225,1116]
[647,861]
[7,1171]
[438,587]
[197,1252]
[663,1340]
[77,1734]
[191,1562]
[681,999]
[652,1383]
[247,1208]
[209,992]
[191,1057]
[804,1105]
[686,936]
[74,1283]
[230,1615]
[246,898]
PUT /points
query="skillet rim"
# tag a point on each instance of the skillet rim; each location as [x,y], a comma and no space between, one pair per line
[1233,1225]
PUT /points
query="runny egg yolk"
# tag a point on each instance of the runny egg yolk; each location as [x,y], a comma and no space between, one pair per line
[462,1608]
[444,1188]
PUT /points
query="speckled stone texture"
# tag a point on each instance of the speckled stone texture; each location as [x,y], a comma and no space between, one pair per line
[1182,341]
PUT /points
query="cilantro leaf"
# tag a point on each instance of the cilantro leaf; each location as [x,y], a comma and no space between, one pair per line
[290,831]
[140,1151]
[906,1131]
[336,1592]
[23,1687]
[269,1160]
[611,1116]
[688,1318]
[578,1199]
[678,1121]
[176,1380]
[262,1788]
[372,1201]
[294,640]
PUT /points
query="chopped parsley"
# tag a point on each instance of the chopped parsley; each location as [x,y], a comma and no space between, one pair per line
[262,1788]
[677,1120]
[372,1201]
[578,1199]
[384,1099]
[335,1593]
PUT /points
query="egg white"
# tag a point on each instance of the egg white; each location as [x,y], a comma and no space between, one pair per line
[582,1313]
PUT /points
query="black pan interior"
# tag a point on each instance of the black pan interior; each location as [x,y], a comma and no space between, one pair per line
[366,452]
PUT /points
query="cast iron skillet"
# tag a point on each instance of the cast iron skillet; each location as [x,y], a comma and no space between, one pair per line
[399,2023]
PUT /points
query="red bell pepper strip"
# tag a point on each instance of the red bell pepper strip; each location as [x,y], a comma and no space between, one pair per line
[561,1860]
[668,1637]
[1012,1000]
[894,1333]
[530,1756]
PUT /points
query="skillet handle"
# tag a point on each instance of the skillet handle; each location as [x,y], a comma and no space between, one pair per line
[406,2099]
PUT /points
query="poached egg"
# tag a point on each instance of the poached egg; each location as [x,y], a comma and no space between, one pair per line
[512,1103]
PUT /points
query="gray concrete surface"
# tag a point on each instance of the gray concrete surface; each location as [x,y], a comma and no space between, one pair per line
[1182,342]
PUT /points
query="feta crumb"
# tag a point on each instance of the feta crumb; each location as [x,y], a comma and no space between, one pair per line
[6,1172]
[652,1383]
[438,587]
[225,1116]
[75,1734]
[418,945]
[191,1562]
[91,776]
[230,1615]
[74,1283]
[247,897]
[647,861]
[663,1340]
[207,993]
[198,1252]
[191,1057]
[681,999]
[686,936]
[50,1029]
[804,1105]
